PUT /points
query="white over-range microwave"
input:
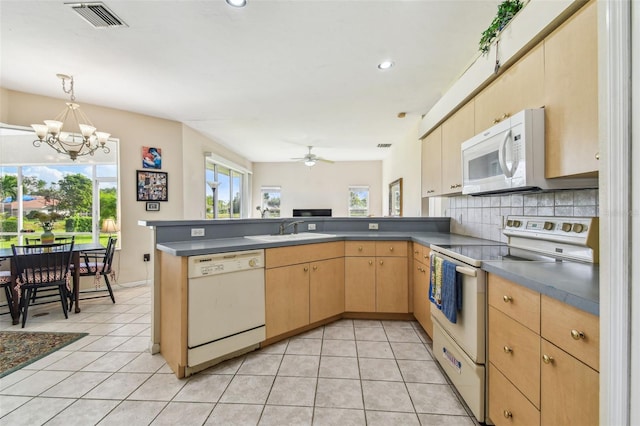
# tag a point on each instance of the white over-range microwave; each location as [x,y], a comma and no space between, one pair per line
[509,157]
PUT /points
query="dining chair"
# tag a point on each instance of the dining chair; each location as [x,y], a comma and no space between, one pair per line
[42,267]
[5,283]
[97,264]
[57,240]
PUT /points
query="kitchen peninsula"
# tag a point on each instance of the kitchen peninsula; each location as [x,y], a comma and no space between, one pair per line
[335,247]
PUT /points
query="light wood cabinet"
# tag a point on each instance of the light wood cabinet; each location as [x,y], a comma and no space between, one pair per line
[457,129]
[326,289]
[569,389]
[360,284]
[432,163]
[571,96]
[286,298]
[520,87]
[303,284]
[546,377]
[421,304]
[377,283]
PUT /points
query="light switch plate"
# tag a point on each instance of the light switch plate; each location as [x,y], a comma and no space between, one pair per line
[197,232]
[373,226]
[311,227]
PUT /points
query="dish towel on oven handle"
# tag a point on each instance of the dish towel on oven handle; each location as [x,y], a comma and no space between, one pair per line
[435,281]
[451,291]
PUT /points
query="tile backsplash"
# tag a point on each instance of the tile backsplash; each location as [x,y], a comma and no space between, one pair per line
[482,216]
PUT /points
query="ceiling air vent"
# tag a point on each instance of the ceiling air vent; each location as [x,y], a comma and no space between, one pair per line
[384,145]
[97,14]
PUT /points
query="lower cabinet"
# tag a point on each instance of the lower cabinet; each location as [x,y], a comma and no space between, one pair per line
[303,285]
[376,276]
[543,359]
[421,304]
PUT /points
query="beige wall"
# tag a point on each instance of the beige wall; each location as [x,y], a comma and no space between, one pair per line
[404,162]
[183,159]
[321,186]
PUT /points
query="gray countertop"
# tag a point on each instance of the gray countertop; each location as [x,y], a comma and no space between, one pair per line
[574,283]
[221,245]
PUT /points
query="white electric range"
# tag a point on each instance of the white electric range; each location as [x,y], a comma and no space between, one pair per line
[460,348]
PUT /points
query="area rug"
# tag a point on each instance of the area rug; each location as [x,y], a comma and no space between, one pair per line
[21,348]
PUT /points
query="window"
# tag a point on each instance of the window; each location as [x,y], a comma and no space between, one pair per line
[358,201]
[270,206]
[225,190]
[34,184]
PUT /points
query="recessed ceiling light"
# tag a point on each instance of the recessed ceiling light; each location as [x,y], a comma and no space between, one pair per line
[385,65]
[237,3]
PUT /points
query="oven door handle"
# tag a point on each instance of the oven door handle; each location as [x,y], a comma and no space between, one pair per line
[467,271]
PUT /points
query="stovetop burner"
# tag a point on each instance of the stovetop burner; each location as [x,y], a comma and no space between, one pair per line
[475,255]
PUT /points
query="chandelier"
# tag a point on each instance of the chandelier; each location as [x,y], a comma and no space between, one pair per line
[74,144]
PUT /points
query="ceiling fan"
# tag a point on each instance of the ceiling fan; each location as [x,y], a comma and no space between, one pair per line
[311,159]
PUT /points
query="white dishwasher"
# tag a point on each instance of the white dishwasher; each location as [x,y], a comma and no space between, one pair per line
[226,306]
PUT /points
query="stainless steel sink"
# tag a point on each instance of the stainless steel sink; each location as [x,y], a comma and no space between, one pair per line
[289,237]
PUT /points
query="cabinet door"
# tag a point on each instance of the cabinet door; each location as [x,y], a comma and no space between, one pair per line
[326,289]
[571,96]
[521,86]
[392,287]
[432,163]
[287,298]
[457,129]
[569,389]
[421,305]
[360,284]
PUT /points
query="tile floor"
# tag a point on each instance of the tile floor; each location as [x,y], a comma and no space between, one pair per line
[350,372]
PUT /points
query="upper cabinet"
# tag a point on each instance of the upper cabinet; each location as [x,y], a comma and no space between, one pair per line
[520,87]
[457,129]
[432,163]
[571,96]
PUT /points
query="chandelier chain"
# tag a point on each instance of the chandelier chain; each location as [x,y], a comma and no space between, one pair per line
[70,90]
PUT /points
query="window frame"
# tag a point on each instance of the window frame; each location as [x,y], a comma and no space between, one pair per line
[270,189]
[359,188]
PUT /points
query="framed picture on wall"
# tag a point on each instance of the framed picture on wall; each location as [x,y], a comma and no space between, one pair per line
[151,158]
[153,206]
[151,186]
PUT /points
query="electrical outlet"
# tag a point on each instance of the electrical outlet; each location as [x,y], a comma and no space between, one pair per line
[146,257]
[311,227]
[197,232]
[373,226]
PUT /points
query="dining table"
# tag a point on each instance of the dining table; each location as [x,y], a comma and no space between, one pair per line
[75,262]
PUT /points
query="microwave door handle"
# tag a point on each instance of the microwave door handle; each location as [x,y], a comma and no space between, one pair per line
[502,154]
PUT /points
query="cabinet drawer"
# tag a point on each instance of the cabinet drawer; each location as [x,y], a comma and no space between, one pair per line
[575,331]
[359,248]
[417,251]
[515,351]
[391,248]
[516,301]
[507,405]
[292,255]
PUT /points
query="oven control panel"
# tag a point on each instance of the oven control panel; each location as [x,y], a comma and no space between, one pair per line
[579,235]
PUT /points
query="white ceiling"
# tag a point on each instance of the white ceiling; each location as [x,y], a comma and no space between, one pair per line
[265,80]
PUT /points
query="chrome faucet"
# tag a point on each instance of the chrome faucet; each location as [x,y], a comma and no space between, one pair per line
[285,225]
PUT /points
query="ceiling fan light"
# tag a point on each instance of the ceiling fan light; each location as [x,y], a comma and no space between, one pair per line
[237,3]
[309,162]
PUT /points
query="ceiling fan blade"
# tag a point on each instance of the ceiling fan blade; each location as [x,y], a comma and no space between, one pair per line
[324,160]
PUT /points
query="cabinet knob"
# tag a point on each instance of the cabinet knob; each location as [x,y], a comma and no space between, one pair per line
[306,268]
[359,248]
[597,155]
[507,414]
[390,248]
[371,262]
[507,350]
[381,262]
[416,251]
[507,299]
[315,268]
[577,335]
[547,359]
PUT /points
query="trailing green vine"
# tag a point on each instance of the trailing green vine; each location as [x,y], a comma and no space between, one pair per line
[506,11]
